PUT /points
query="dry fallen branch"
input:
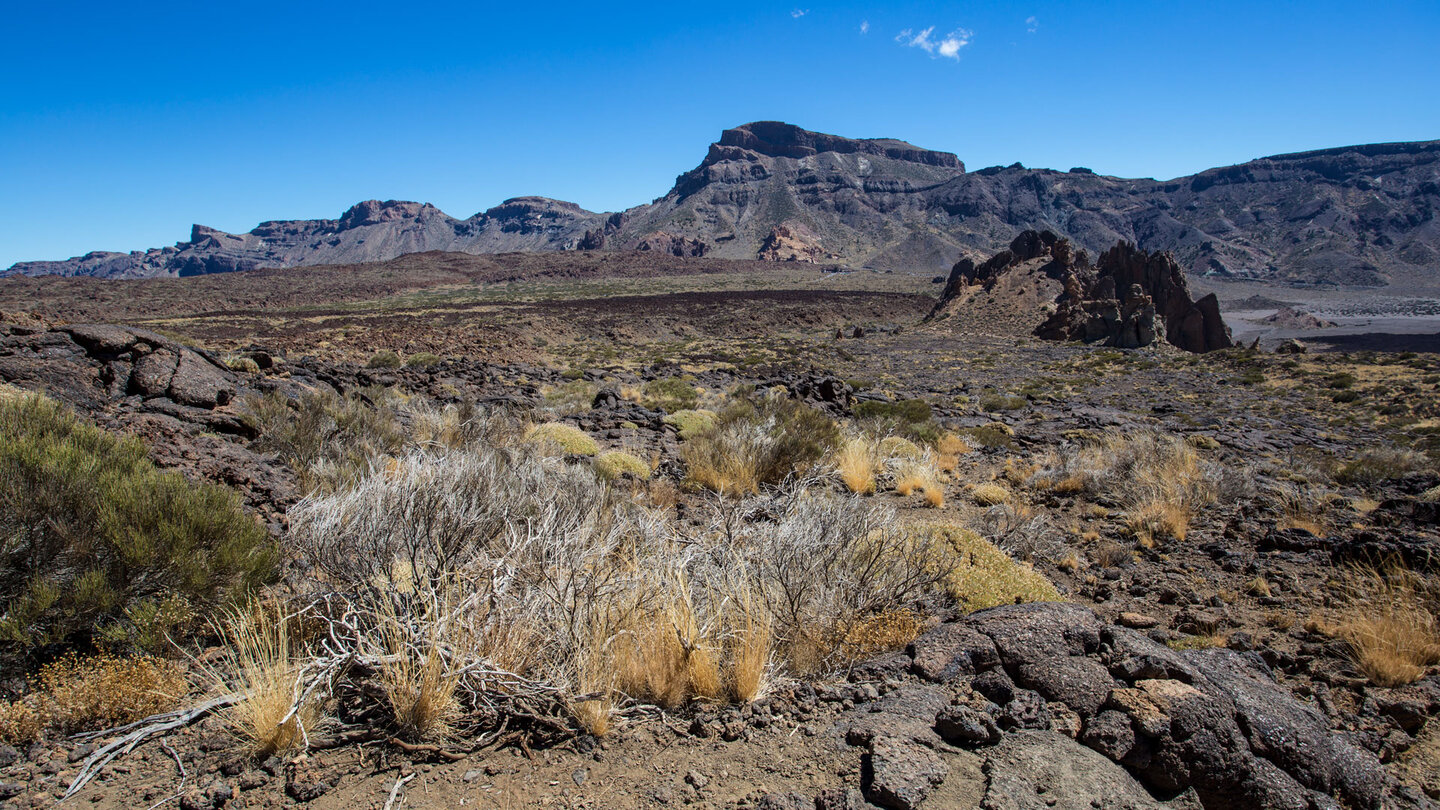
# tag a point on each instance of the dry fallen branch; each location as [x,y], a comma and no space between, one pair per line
[138,732]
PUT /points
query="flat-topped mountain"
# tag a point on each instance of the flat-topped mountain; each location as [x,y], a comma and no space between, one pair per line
[1359,215]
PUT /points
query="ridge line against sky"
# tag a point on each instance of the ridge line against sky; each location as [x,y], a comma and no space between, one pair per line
[122,126]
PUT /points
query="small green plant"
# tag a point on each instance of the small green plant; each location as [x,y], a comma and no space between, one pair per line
[671,394]
[689,423]
[905,411]
[612,464]
[1340,381]
[994,402]
[244,365]
[753,443]
[384,359]
[422,360]
[995,434]
[568,438]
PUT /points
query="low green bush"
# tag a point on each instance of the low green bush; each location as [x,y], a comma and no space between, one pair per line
[422,360]
[671,394]
[905,411]
[98,542]
[612,464]
[689,423]
[384,359]
[754,443]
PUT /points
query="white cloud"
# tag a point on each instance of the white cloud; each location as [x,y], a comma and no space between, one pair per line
[947,46]
[1031,24]
[865,27]
[798,13]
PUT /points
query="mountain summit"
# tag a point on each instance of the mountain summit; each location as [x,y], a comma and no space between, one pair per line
[1358,215]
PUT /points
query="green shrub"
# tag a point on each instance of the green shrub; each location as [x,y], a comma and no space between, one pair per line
[570,439]
[1341,381]
[1380,464]
[244,365]
[906,411]
[993,402]
[982,576]
[328,440]
[671,394]
[384,359]
[98,540]
[995,434]
[689,423]
[753,443]
[1345,396]
[422,360]
[614,463]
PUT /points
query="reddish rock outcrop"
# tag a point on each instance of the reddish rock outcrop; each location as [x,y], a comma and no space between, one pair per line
[791,243]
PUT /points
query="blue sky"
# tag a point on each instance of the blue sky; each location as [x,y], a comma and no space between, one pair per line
[121,124]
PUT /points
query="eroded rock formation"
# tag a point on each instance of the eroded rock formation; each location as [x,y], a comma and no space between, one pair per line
[1128,300]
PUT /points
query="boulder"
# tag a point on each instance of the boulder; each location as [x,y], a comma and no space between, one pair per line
[199,383]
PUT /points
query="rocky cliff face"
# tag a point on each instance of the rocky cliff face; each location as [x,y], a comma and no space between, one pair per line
[1129,299]
[1361,215]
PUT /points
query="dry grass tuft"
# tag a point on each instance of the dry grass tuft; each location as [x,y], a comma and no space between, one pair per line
[919,475]
[1258,586]
[264,665]
[989,494]
[1391,625]
[1162,480]
[857,462]
[749,648]
[418,683]
[952,445]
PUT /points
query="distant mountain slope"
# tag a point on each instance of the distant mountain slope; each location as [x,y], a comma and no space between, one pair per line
[1360,215]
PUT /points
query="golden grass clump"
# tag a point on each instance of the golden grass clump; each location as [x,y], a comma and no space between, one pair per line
[612,464]
[1162,480]
[880,632]
[749,648]
[952,445]
[91,693]
[1155,520]
[414,675]
[858,462]
[983,576]
[899,447]
[568,438]
[1431,495]
[919,475]
[264,662]
[989,494]
[1391,624]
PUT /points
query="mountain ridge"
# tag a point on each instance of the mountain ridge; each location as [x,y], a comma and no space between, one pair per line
[1361,215]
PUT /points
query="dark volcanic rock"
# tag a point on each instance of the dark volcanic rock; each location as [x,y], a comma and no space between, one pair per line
[1128,300]
[1120,300]
[1214,722]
